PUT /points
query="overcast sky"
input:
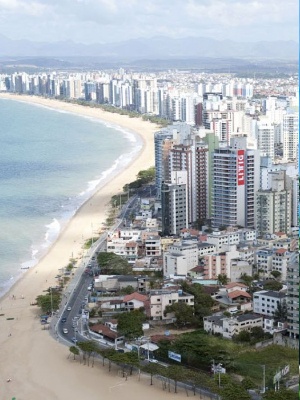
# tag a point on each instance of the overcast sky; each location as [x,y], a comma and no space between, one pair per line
[92,21]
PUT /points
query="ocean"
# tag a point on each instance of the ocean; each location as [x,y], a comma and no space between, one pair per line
[51,162]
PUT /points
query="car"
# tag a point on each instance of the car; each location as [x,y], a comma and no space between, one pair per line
[89,288]
[65,331]
[74,340]
[86,298]
[153,360]
[69,309]
[75,330]
[63,320]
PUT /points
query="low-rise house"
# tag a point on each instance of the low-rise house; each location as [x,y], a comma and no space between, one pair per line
[114,283]
[134,301]
[272,326]
[160,299]
[230,326]
[106,335]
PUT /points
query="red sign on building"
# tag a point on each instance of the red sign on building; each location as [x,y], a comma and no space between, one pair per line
[241,167]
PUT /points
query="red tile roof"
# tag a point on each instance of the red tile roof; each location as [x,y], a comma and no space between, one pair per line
[104,330]
[135,296]
[234,284]
[238,293]
[281,251]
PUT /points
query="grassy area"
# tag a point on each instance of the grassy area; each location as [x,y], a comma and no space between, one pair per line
[249,363]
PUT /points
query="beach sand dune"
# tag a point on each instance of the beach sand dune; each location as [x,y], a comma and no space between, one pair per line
[33,365]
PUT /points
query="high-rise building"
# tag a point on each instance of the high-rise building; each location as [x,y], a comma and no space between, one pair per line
[293,300]
[174,204]
[274,206]
[290,136]
[264,133]
[235,181]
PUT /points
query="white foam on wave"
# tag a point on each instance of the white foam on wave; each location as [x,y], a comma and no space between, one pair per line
[52,232]
[74,203]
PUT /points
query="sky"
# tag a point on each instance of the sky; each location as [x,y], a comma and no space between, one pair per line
[104,21]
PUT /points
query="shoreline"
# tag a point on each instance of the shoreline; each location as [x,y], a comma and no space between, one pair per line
[36,364]
[77,110]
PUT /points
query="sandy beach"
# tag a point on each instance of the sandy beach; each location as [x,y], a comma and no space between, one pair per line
[37,365]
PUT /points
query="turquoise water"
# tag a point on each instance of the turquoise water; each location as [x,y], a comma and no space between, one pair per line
[51,162]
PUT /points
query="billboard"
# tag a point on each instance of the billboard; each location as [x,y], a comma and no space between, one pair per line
[241,167]
[174,356]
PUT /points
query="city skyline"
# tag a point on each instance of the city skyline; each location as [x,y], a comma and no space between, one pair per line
[107,21]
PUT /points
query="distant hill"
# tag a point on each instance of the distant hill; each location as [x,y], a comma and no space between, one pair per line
[158,47]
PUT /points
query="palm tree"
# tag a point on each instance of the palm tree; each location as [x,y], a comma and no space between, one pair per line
[223,279]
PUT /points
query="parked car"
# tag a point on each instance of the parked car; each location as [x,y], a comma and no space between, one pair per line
[63,320]
[65,331]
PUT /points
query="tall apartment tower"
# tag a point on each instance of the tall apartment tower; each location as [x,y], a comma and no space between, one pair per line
[182,158]
[264,133]
[201,181]
[163,142]
[290,136]
[293,300]
[274,206]
[235,181]
[174,204]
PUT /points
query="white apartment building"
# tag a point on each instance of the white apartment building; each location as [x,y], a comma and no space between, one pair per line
[265,302]
[263,131]
[293,299]
[290,136]
[180,258]
[159,299]
[281,259]
[174,204]
[274,207]
[263,260]
[228,327]
[124,248]
[235,181]
[152,246]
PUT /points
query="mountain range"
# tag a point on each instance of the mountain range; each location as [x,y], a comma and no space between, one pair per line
[159,47]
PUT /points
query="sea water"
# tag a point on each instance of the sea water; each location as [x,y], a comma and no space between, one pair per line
[51,162]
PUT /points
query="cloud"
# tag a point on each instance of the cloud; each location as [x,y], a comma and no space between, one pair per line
[23,7]
[116,20]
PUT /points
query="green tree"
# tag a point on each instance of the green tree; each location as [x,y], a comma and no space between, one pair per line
[282,394]
[202,301]
[74,350]
[281,311]
[234,392]
[243,336]
[184,313]
[248,383]
[273,285]
[176,373]
[88,349]
[246,279]
[152,369]
[276,274]
[113,264]
[127,290]
[130,324]
[48,302]
[223,279]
